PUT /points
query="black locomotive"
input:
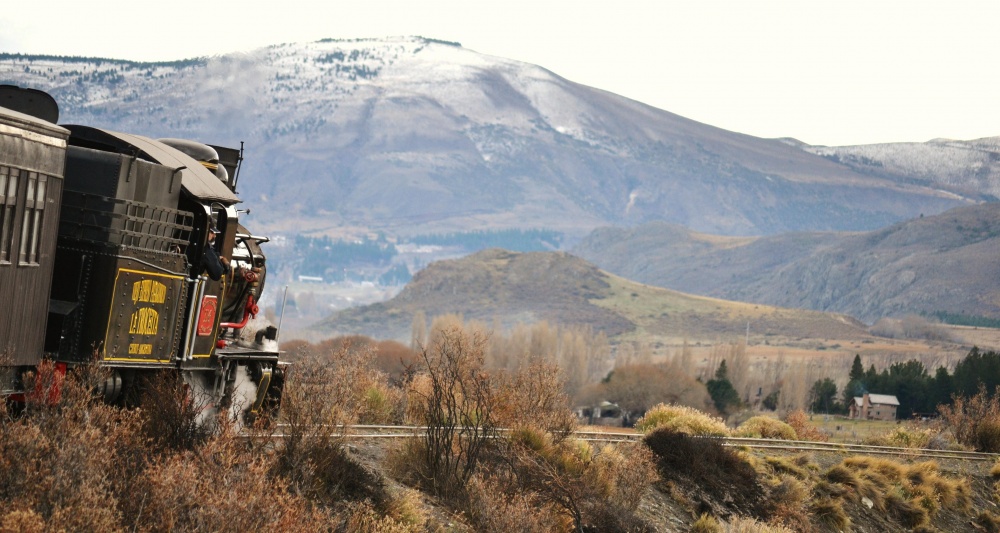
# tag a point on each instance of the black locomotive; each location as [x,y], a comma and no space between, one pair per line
[130,251]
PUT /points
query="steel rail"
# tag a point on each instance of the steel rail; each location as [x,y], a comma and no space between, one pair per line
[369,431]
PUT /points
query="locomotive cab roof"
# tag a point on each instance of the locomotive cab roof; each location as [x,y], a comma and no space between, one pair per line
[197,180]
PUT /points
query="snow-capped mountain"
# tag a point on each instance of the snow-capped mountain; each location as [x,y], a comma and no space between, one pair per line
[416,135]
[972,167]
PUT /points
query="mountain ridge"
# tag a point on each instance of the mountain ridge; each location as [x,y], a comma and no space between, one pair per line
[403,133]
[941,263]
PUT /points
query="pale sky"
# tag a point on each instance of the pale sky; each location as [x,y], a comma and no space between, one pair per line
[825,72]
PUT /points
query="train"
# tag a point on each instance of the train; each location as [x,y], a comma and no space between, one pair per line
[129,252]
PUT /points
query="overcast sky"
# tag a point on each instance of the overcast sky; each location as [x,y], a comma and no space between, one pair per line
[824,72]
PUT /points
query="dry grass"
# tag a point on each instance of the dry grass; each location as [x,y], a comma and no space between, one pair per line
[742,524]
[830,512]
[681,419]
[902,437]
[765,427]
[706,523]
[798,466]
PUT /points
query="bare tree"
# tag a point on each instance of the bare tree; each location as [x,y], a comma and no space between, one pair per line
[459,407]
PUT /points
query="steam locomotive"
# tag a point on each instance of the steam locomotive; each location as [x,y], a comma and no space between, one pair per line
[106,252]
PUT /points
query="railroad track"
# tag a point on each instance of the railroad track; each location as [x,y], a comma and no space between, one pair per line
[374,432]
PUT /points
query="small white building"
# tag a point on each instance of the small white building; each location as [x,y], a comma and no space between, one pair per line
[874,407]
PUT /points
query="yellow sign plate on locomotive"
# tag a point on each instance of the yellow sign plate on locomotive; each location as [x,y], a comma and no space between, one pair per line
[144,317]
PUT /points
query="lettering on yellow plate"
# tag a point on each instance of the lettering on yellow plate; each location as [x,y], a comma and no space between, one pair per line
[145,321]
[140,349]
[149,291]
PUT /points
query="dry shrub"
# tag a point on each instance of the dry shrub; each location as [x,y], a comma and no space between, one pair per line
[721,473]
[406,462]
[995,469]
[907,512]
[743,524]
[825,488]
[459,410]
[787,504]
[988,521]
[912,494]
[391,358]
[829,512]
[406,507]
[891,470]
[765,427]
[799,421]
[844,476]
[22,522]
[975,421]
[706,523]
[493,507]
[681,419]
[623,473]
[61,466]
[902,437]
[169,417]
[219,487]
[797,466]
[597,490]
[361,516]
[312,455]
[534,396]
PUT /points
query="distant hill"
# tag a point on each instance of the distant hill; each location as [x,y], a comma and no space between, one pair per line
[413,135]
[497,285]
[944,263]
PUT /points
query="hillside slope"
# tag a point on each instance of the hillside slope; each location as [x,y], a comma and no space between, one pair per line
[500,286]
[415,135]
[937,263]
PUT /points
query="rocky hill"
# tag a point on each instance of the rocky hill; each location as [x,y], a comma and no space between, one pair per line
[944,263]
[497,286]
[413,135]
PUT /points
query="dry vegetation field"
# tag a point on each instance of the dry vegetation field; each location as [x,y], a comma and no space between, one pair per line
[464,474]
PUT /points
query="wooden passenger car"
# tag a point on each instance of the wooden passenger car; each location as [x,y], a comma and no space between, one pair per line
[32,160]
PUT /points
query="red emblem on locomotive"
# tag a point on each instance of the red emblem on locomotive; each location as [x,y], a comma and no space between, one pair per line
[206,319]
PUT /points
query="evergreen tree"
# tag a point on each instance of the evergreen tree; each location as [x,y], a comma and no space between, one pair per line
[941,388]
[853,389]
[857,370]
[723,394]
[975,369]
[823,396]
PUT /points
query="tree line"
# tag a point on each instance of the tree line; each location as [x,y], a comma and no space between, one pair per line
[919,393]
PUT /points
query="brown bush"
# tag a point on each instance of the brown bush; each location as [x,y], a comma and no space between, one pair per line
[975,421]
[595,491]
[786,504]
[60,466]
[219,487]
[534,396]
[637,388]
[492,506]
[716,470]
[830,512]
[799,421]
[169,419]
